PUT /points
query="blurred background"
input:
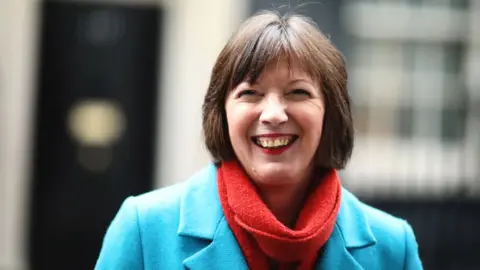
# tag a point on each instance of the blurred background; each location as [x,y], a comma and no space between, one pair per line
[101,99]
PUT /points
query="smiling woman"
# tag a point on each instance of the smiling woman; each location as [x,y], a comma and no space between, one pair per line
[278,125]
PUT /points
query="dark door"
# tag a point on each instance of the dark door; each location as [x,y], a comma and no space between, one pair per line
[95,125]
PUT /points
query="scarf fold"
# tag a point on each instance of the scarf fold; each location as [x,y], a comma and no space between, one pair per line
[261,236]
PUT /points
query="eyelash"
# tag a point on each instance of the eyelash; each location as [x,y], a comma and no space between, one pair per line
[299,92]
[251,92]
[247,92]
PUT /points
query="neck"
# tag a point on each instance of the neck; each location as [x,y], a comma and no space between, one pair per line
[286,201]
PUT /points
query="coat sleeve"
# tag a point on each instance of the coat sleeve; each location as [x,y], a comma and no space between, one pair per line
[412,257]
[122,247]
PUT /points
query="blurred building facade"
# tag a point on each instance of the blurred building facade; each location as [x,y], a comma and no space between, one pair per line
[414,80]
[413,67]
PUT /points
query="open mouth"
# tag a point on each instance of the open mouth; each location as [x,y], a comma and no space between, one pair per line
[274,142]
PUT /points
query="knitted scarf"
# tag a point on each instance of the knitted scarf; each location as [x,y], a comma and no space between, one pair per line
[261,237]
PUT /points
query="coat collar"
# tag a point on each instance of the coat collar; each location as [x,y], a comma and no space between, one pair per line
[201,217]
[200,209]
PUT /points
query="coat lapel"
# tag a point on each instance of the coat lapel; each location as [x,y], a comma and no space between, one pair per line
[201,217]
[222,253]
[336,255]
[351,232]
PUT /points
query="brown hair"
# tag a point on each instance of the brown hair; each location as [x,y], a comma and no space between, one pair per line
[266,37]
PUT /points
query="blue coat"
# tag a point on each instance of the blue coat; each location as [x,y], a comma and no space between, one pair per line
[183,227]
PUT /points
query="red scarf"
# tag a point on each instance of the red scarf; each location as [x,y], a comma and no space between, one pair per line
[261,236]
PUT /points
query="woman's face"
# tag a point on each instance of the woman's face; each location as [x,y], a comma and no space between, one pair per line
[275,125]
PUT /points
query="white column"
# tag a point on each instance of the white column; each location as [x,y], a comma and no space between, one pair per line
[18,23]
[197,31]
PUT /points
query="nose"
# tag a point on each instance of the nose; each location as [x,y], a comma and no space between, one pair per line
[273,113]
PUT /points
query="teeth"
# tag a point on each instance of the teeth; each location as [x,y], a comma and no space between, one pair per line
[277,142]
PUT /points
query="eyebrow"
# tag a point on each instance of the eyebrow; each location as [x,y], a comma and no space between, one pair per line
[288,83]
[300,80]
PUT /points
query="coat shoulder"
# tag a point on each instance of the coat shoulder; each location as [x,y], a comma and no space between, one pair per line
[146,224]
[381,224]
[162,200]
[395,242]
[164,203]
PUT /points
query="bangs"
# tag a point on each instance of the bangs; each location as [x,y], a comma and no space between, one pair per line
[273,44]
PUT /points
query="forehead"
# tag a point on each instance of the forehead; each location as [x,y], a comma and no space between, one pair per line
[282,70]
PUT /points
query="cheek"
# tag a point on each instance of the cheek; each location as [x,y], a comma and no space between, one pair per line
[313,130]
[316,123]
[310,118]
[239,119]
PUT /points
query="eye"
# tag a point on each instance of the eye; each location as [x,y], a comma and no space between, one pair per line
[246,93]
[300,93]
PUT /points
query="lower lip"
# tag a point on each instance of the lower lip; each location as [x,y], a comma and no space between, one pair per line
[275,151]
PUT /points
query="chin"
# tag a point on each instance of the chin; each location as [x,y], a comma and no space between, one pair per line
[275,174]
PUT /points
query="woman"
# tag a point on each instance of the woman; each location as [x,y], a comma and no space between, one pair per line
[278,125]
